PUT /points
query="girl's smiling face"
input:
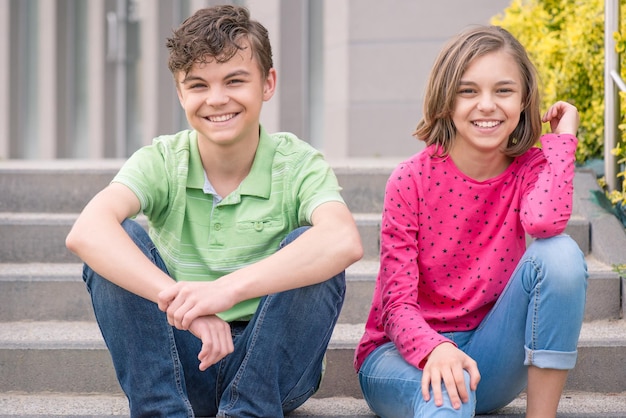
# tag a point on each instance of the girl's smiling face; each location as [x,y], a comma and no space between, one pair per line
[488,104]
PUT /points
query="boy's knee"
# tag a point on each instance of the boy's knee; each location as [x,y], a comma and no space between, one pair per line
[293,235]
[133,228]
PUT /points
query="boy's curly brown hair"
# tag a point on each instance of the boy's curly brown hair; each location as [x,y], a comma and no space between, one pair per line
[218,33]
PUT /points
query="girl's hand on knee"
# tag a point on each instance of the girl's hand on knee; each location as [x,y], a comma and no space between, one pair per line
[446,364]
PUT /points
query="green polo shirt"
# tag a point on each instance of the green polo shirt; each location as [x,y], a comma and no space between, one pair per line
[199,240]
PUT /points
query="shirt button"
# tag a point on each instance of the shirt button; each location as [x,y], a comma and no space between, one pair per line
[218,227]
[258,226]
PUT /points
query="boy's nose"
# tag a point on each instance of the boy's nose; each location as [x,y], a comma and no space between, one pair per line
[216,97]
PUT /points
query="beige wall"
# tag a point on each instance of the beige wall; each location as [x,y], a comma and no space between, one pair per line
[378,56]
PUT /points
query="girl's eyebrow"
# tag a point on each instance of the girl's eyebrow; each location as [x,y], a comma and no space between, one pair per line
[499,83]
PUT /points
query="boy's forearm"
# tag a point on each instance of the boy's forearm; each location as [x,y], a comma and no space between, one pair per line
[109,251]
[318,254]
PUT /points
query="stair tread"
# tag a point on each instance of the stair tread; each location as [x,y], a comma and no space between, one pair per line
[43,271]
[75,334]
[365,268]
[573,404]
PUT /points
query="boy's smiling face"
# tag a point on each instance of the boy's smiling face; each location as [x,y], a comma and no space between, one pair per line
[222,101]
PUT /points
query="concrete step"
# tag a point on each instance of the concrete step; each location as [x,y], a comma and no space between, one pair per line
[61,188]
[572,405]
[57,186]
[37,237]
[65,186]
[65,356]
[56,292]
[607,237]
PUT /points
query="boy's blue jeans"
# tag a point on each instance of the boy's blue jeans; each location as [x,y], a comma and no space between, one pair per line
[275,367]
[536,321]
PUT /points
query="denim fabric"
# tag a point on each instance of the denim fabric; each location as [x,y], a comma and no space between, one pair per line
[275,367]
[536,321]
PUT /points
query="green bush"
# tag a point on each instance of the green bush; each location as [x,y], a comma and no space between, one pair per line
[565,40]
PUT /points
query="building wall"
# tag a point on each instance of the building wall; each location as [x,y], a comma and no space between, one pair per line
[379,56]
[89,79]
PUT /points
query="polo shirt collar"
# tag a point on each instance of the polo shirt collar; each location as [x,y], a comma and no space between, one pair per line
[257,183]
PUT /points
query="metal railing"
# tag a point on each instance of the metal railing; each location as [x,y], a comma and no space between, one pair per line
[613,83]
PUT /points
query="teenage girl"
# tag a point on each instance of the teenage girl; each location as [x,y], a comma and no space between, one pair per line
[465,315]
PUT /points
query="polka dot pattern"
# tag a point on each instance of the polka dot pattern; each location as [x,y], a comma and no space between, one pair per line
[449,243]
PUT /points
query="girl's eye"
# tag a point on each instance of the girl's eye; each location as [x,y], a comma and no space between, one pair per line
[466,91]
[196,86]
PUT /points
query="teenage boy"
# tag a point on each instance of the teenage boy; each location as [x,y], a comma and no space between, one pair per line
[204,315]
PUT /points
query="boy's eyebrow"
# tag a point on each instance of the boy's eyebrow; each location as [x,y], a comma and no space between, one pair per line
[189,78]
[236,73]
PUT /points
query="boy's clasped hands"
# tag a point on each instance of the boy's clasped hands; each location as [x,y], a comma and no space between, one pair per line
[192,306]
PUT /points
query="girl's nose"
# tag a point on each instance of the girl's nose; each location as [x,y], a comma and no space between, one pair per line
[486,103]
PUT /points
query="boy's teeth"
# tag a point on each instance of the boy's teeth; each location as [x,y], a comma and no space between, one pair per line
[489,124]
[221,118]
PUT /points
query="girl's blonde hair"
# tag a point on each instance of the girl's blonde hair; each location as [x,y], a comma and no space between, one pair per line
[436,126]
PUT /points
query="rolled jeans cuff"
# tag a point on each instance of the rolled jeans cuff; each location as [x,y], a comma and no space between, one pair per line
[548,359]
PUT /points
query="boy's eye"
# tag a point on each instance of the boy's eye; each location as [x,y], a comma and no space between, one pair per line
[235,81]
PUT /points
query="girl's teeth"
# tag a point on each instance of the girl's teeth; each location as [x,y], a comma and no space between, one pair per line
[486,124]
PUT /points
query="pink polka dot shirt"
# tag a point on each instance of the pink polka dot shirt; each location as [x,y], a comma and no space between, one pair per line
[449,243]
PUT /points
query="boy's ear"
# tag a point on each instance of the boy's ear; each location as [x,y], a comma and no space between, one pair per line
[180,96]
[177,87]
[270,85]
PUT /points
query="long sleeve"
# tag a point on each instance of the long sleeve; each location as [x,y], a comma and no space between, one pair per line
[402,318]
[399,318]
[546,204]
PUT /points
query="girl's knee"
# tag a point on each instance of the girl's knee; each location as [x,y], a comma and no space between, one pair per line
[560,254]
[561,271]
[560,244]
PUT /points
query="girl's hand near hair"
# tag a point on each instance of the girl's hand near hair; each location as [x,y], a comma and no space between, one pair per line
[563,118]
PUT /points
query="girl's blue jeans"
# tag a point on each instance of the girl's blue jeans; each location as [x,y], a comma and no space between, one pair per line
[536,321]
[276,365]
